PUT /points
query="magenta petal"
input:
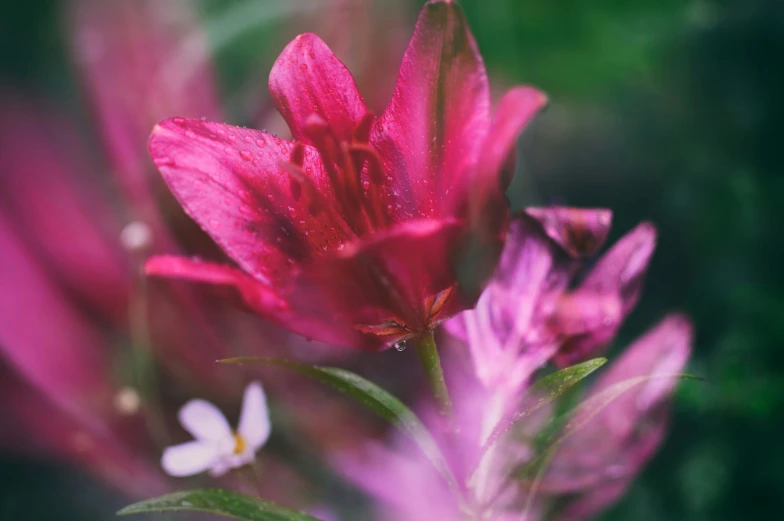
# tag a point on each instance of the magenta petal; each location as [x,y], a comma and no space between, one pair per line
[253,294]
[431,133]
[309,79]
[581,232]
[232,182]
[380,286]
[516,109]
[318,322]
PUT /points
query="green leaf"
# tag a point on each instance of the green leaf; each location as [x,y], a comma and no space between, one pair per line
[545,391]
[375,398]
[220,502]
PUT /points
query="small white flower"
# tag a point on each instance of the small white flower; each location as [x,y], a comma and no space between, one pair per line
[217,448]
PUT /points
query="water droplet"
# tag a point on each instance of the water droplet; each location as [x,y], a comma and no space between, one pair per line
[303,67]
[248,139]
[179,121]
[270,197]
[400,346]
[261,143]
[244,154]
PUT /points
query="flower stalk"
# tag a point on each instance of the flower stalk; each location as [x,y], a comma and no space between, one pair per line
[425,346]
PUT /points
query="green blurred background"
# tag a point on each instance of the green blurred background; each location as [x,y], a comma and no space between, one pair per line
[667,110]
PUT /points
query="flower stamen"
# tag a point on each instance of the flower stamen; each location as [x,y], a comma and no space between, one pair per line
[239,443]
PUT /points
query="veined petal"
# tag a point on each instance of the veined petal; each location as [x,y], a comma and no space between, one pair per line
[204,421]
[309,79]
[438,117]
[579,231]
[232,182]
[188,458]
[254,426]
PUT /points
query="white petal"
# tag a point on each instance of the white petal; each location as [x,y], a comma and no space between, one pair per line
[189,458]
[254,419]
[204,421]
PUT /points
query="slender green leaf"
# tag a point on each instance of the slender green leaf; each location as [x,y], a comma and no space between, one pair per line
[375,398]
[220,502]
[544,392]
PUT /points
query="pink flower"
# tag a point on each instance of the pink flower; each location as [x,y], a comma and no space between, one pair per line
[528,314]
[519,324]
[361,230]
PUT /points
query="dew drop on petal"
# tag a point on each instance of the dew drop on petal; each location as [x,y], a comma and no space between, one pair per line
[400,346]
[303,67]
[244,154]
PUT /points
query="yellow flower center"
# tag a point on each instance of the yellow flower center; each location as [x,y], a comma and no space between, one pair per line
[239,444]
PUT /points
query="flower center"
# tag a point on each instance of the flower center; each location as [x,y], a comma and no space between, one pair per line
[239,443]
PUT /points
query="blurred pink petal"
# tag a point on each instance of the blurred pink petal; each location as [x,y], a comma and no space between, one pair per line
[46,339]
[50,432]
[140,61]
[602,458]
[50,196]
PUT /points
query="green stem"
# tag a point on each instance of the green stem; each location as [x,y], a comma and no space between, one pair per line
[428,356]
